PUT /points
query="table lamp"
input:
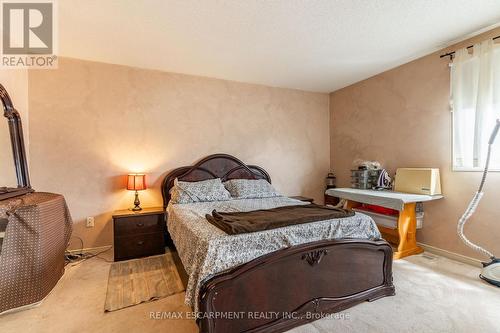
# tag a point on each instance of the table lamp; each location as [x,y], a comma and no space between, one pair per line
[136,182]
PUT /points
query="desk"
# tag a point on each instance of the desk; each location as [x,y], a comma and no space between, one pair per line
[405,235]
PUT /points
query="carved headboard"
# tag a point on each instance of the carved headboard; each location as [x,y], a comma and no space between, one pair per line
[222,166]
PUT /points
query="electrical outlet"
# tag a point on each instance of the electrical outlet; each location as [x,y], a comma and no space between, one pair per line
[90,222]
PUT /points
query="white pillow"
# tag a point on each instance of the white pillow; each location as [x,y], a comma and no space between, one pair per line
[205,190]
[250,188]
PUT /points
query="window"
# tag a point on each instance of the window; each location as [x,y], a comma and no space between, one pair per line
[475,102]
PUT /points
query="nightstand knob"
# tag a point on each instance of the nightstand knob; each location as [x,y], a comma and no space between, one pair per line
[140,243]
[140,224]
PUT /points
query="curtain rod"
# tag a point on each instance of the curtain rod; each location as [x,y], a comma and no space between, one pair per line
[450,54]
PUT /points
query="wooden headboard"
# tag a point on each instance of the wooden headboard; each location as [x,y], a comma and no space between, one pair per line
[221,166]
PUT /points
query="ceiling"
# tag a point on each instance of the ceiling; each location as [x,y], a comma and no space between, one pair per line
[320,45]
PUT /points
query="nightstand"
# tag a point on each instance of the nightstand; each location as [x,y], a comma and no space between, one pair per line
[301,198]
[331,200]
[138,234]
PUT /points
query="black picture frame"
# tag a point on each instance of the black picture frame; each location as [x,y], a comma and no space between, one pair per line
[18,149]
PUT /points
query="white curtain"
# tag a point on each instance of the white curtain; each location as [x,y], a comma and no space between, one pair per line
[475,101]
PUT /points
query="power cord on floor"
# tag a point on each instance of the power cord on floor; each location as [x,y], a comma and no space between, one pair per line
[88,255]
[73,258]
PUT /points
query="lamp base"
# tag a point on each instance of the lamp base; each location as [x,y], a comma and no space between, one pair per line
[137,203]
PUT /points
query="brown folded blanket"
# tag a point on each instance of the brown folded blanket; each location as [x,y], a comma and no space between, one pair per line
[265,219]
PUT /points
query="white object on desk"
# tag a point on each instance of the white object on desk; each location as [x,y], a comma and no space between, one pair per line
[418,181]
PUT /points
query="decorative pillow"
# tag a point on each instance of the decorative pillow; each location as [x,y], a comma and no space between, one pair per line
[250,188]
[205,190]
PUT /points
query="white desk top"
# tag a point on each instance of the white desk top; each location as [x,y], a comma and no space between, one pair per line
[388,199]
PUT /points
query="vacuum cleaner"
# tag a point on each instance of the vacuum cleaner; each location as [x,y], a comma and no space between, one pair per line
[491,270]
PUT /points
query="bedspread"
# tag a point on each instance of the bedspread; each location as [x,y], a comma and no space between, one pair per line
[206,250]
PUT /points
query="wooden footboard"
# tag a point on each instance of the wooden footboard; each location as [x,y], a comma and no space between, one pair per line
[290,287]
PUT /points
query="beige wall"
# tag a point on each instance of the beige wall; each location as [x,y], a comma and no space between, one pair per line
[402,119]
[92,123]
[16,83]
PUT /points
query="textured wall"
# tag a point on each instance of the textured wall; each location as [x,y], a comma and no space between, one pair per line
[92,123]
[16,83]
[402,119]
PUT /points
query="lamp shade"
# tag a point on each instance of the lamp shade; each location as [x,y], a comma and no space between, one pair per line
[136,182]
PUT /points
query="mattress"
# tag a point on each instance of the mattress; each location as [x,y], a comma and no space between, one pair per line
[205,250]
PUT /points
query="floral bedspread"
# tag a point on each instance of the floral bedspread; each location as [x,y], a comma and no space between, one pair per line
[206,250]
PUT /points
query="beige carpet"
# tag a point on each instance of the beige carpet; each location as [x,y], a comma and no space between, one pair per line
[137,281]
[433,295]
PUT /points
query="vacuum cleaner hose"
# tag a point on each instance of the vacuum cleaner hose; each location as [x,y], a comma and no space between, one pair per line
[460,228]
[477,198]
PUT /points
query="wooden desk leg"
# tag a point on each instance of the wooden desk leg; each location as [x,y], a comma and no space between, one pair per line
[407,230]
[405,234]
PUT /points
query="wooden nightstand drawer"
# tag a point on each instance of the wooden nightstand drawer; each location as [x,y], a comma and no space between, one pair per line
[138,246]
[134,225]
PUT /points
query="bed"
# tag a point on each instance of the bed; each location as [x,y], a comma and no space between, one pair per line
[273,280]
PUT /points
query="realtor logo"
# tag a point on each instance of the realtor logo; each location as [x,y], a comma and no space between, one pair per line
[28,34]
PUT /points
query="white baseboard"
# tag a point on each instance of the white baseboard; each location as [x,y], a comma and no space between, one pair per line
[451,255]
[91,249]
[428,248]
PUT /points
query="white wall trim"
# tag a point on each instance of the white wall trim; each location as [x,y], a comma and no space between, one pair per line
[451,255]
[91,249]
[428,248]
